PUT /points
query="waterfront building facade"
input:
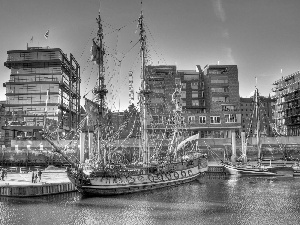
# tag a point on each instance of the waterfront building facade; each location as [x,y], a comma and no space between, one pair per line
[209,99]
[219,115]
[44,85]
[287,106]
[210,104]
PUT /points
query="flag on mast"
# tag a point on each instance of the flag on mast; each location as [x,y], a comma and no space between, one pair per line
[31,40]
[46,34]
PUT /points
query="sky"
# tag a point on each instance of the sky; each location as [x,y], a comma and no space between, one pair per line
[261,37]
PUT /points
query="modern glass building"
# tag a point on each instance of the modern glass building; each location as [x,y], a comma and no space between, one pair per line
[287,110]
[43,83]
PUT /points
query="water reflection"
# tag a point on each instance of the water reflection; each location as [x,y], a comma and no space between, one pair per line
[220,201]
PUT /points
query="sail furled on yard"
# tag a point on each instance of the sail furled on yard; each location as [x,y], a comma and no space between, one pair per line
[191,138]
[176,100]
[95,53]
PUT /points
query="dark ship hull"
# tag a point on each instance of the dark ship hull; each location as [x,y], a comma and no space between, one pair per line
[174,174]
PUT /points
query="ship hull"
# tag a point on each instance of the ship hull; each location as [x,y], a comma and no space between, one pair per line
[233,170]
[105,186]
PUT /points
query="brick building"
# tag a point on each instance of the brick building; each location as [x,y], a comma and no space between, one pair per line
[219,98]
[209,98]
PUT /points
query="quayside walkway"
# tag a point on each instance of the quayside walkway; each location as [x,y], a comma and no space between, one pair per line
[20,184]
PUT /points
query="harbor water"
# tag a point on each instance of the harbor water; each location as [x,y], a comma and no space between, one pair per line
[211,200]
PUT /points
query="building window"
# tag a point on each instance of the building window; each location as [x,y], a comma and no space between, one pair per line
[228,108]
[219,99]
[195,102]
[215,119]
[214,71]
[194,94]
[183,85]
[183,94]
[177,81]
[157,119]
[191,119]
[191,77]
[153,110]
[183,103]
[220,90]
[194,85]
[202,119]
[158,90]
[219,81]
[182,120]
[230,118]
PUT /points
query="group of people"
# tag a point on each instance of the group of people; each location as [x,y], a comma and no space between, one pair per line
[36,176]
[3,173]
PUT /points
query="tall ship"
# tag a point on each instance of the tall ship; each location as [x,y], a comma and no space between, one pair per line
[103,174]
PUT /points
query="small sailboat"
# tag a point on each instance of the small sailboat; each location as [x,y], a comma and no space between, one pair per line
[260,169]
[107,177]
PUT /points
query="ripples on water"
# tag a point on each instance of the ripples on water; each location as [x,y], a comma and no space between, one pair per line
[246,200]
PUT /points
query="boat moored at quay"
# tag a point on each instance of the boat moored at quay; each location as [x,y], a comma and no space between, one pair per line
[103,174]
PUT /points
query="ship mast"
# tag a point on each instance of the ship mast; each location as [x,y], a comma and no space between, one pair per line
[257,115]
[100,91]
[144,93]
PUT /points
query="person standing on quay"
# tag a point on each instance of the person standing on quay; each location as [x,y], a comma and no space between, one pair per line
[2,174]
[32,180]
[40,175]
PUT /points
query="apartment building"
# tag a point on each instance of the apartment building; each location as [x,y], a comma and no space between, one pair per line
[44,85]
[209,98]
[287,105]
[220,114]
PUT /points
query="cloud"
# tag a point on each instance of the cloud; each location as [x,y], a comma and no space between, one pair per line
[251,94]
[229,56]
[225,34]
[218,9]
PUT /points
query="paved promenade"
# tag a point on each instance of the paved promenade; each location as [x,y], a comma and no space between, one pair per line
[48,177]
[24,179]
